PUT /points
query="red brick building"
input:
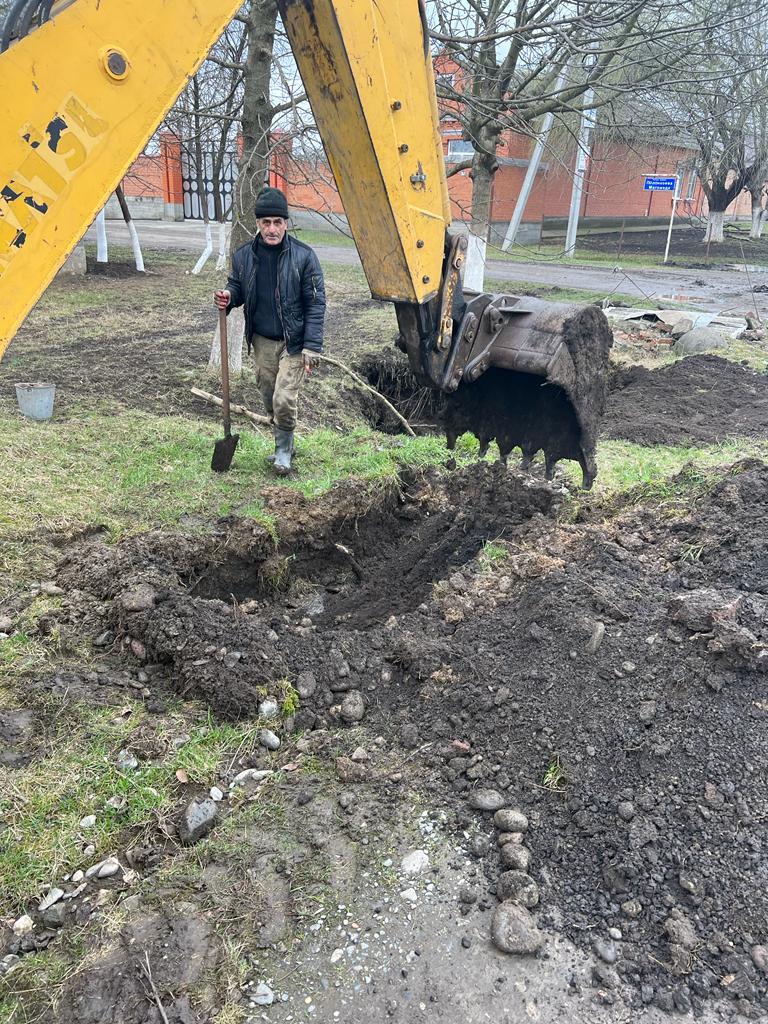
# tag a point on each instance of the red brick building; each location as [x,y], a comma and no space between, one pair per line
[613,193]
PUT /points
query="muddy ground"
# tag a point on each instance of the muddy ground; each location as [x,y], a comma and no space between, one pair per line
[606,677]
[686,247]
[442,647]
[120,351]
[702,399]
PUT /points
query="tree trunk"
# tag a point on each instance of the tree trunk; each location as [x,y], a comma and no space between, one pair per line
[758,217]
[135,243]
[235,336]
[483,169]
[715,221]
[257,119]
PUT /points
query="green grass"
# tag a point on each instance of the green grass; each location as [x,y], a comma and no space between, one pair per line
[133,470]
[330,236]
[557,294]
[42,805]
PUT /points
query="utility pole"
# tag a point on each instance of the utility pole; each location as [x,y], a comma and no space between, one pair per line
[533,169]
[582,160]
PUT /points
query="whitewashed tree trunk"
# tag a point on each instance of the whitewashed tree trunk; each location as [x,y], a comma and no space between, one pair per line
[758,219]
[206,253]
[235,338]
[221,262]
[715,223]
[474,264]
[102,249]
[135,243]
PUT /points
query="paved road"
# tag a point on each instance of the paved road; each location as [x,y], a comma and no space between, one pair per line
[713,290]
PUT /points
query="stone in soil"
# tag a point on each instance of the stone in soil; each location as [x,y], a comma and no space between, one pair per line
[486,800]
[513,930]
[517,887]
[415,863]
[52,896]
[197,820]
[353,707]
[606,950]
[698,340]
[263,996]
[515,856]
[269,739]
[509,820]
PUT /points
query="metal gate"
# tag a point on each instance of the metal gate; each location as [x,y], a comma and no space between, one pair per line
[193,200]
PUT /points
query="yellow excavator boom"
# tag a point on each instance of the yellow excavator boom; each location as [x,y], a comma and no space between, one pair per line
[79,98]
[367,69]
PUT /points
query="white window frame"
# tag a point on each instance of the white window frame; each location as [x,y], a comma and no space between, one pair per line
[458,150]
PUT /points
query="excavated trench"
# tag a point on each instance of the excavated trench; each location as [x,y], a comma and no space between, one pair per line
[361,569]
[603,650]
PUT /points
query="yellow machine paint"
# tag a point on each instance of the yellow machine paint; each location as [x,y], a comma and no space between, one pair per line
[79,97]
[368,73]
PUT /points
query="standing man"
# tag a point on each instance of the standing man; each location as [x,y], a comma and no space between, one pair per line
[279,281]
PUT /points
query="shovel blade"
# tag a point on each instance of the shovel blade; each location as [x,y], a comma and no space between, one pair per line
[223,453]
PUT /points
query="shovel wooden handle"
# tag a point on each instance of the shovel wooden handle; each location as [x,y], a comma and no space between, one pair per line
[224,371]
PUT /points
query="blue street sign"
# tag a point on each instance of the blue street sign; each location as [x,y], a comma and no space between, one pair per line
[656,184]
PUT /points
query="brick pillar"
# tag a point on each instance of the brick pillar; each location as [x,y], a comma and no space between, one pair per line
[173,184]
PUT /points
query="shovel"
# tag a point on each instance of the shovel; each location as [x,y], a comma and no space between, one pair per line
[224,450]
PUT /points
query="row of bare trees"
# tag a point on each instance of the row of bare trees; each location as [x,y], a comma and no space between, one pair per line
[655,69]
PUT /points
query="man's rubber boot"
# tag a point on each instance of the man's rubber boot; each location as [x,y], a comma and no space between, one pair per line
[271,458]
[283,451]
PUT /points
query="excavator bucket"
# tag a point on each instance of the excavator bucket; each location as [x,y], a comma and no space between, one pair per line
[538,383]
[526,373]
[533,377]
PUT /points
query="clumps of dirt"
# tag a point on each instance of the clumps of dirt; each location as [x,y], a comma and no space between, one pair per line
[700,399]
[345,558]
[606,677]
[389,373]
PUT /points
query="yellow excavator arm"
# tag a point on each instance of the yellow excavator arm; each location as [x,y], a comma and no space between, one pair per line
[79,98]
[82,92]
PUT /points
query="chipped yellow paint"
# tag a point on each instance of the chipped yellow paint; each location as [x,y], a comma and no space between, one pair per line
[70,126]
[368,74]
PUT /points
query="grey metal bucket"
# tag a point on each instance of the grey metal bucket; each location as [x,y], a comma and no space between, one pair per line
[36,400]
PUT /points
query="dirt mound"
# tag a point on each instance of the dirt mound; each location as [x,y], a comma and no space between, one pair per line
[699,399]
[607,677]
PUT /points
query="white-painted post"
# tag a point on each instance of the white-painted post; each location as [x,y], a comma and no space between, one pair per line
[205,255]
[671,219]
[530,175]
[473,277]
[579,174]
[102,250]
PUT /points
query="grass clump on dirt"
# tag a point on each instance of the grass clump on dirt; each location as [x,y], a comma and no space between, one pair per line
[44,805]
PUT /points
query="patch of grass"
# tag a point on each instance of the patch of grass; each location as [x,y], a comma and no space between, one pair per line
[31,991]
[133,471]
[42,805]
[663,471]
[557,294]
[554,776]
[493,554]
[329,236]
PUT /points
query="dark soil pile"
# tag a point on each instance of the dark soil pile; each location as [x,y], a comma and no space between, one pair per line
[608,676]
[686,246]
[701,399]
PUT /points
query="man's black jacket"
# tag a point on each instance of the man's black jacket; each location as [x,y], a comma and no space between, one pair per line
[300,292]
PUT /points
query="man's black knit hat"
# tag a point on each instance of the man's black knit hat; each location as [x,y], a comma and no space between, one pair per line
[271,202]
